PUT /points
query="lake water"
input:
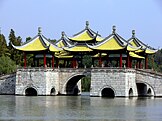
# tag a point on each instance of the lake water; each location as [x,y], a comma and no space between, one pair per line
[79,108]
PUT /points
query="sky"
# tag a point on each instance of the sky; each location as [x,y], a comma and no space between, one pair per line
[55,16]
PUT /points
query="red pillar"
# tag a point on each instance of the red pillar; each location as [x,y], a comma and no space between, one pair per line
[146,62]
[73,62]
[120,62]
[140,64]
[53,61]
[152,62]
[128,60]
[45,60]
[24,60]
[100,60]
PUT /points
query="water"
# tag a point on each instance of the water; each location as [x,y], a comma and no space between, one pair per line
[79,108]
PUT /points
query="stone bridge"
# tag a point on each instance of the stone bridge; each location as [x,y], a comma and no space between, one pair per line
[111,82]
[66,81]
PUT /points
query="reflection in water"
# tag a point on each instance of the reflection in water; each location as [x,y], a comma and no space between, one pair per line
[79,108]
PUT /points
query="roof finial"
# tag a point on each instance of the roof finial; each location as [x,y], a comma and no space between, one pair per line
[63,33]
[133,33]
[87,24]
[39,31]
[114,29]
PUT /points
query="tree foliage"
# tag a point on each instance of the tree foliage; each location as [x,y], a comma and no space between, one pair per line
[15,55]
[86,82]
[3,44]
[6,65]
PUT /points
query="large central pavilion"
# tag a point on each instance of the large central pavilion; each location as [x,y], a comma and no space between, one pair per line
[70,50]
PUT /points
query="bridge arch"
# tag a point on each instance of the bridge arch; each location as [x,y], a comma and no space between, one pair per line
[71,87]
[30,91]
[145,89]
[53,91]
[107,91]
[130,92]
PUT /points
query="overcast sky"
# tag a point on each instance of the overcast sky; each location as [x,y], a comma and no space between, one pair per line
[55,16]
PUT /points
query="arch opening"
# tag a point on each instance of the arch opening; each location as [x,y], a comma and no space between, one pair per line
[142,89]
[149,92]
[107,92]
[72,87]
[53,91]
[131,92]
[30,92]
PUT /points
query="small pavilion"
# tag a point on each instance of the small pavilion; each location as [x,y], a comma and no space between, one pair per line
[41,47]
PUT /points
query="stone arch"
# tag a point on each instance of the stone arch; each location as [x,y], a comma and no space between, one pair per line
[30,91]
[149,92]
[130,92]
[70,87]
[107,91]
[53,91]
[144,89]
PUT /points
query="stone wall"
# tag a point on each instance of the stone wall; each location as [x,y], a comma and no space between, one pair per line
[119,80]
[43,80]
[152,79]
[7,84]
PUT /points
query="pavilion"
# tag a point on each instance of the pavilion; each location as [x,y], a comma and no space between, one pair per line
[87,42]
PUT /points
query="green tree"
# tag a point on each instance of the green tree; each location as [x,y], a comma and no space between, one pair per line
[15,55]
[52,40]
[6,65]
[86,82]
[28,38]
[3,46]
[87,61]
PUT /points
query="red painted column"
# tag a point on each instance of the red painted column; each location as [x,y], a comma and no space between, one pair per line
[100,60]
[45,60]
[120,62]
[53,61]
[146,62]
[152,62]
[140,65]
[24,60]
[128,61]
[73,62]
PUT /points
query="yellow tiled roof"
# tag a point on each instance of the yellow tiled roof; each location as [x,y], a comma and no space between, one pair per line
[133,43]
[54,48]
[139,51]
[132,54]
[110,44]
[60,44]
[97,55]
[78,49]
[149,51]
[132,48]
[34,45]
[99,38]
[84,36]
